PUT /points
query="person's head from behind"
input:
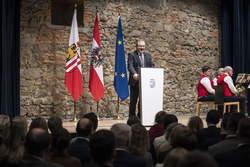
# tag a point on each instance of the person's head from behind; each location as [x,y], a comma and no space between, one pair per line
[102,147]
[5,134]
[229,70]
[168,119]
[174,156]
[139,140]
[160,117]
[133,120]
[195,123]
[197,159]
[233,122]
[170,128]
[182,137]
[61,140]
[213,117]
[37,142]
[243,130]
[122,134]
[92,117]
[206,70]
[84,128]
[39,122]
[54,124]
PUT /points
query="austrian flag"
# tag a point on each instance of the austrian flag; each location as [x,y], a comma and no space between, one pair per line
[73,74]
[96,85]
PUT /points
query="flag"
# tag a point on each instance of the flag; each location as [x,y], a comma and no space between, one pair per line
[73,73]
[96,85]
[120,78]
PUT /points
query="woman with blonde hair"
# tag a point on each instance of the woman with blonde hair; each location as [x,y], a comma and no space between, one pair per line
[139,145]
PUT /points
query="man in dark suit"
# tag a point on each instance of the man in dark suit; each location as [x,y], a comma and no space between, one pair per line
[123,158]
[136,60]
[212,119]
[241,155]
[79,148]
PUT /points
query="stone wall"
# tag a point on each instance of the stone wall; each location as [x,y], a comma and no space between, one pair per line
[181,35]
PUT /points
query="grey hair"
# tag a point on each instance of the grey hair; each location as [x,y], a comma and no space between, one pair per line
[227,68]
[122,134]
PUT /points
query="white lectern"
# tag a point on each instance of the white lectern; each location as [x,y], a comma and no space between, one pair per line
[151,93]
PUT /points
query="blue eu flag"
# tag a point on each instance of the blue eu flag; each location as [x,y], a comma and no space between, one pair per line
[120,78]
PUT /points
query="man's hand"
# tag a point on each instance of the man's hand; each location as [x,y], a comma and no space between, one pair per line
[136,76]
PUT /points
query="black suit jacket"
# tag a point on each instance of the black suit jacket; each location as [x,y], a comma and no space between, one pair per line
[206,133]
[125,159]
[239,157]
[134,64]
[80,150]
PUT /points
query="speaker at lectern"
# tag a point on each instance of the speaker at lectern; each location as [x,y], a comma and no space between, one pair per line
[151,84]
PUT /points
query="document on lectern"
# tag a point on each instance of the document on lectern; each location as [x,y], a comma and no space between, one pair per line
[151,93]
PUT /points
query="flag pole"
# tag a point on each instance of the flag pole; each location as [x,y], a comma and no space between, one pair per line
[118,107]
[74,119]
[97,113]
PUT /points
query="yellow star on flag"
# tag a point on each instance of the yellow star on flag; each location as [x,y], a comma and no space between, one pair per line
[115,73]
[123,75]
[119,42]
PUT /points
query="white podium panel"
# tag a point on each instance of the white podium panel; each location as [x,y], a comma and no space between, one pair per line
[151,93]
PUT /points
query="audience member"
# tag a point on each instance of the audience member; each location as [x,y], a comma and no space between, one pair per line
[19,127]
[5,133]
[37,144]
[102,149]
[139,145]
[168,131]
[92,117]
[60,144]
[123,158]
[241,155]
[173,158]
[181,137]
[39,122]
[231,142]
[157,129]
[212,119]
[161,140]
[133,119]
[223,133]
[197,159]
[79,148]
[55,124]
[195,123]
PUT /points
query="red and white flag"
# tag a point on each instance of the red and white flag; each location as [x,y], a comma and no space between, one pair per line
[73,74]
[96,85]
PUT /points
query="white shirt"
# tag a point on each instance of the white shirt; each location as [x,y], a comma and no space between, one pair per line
[215,81]
[230,84]
[207,84]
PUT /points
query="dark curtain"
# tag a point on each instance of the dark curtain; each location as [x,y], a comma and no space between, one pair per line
[235,39]
[10,58]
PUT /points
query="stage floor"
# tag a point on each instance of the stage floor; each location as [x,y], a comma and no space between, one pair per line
[107,123]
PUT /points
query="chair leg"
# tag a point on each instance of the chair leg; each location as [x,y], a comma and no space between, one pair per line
[229,108]
[198,110]
[224,109]
[214,106]
[238,107]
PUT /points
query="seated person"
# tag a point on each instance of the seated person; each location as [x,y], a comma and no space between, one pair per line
[229,89]
[206,86]
[220,72]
